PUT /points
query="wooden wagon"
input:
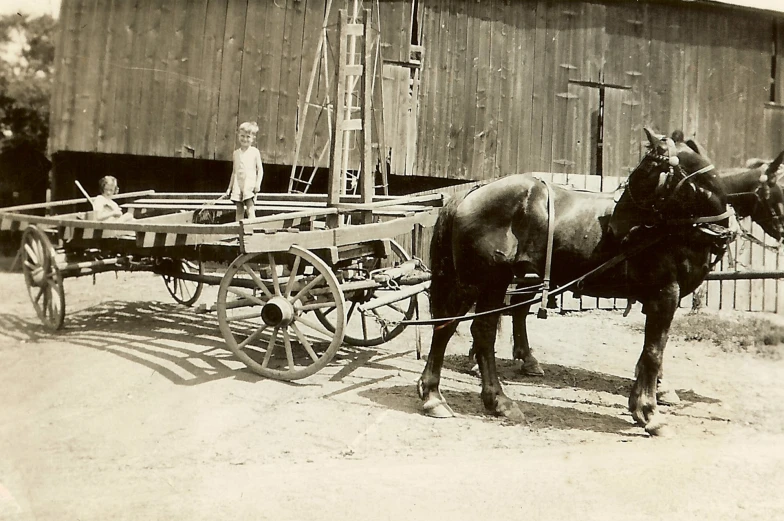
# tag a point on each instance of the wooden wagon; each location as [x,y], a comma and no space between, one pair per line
[294,283]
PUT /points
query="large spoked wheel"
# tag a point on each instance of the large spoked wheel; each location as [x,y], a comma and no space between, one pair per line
[263,300]
[43,278]
[377,325]
[183,291]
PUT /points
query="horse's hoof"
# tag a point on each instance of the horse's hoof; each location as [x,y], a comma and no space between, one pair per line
[659,428]
[511,412]
[531,368]
[436,408]
[668,397]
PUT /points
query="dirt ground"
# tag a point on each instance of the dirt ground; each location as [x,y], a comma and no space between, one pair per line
[135,411]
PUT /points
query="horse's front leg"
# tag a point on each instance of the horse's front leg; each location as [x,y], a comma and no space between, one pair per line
[522,350]
[484,331]
[642,400]
[433,402]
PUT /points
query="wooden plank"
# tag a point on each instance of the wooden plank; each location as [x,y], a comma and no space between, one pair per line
[358,234]
[470,72]
[554,38]
[129,226]
[154,139]
[186,106]
[121,71]
[496,76]
[275,16]
[69,202]
[231,73]
[511,105]
[293,31]
[483,124]
[73,61]
[177,83]
[448,35]
[106,78]
[539,73]
[150,79]
[563,100]
[205,134]
[635,72]
[63,67]
[431,40]
[524,79]
[282,241]
[308,112]
[88,82]
[456,110]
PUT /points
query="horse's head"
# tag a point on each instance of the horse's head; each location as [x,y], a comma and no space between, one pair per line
[767,203]
[674,183]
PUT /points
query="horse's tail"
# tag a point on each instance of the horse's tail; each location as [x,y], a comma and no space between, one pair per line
[442,262]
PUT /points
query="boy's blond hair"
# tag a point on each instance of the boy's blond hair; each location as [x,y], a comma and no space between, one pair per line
[105,181]
[249,126]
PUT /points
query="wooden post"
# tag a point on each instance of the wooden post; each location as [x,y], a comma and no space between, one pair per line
[366,172]
[334,188]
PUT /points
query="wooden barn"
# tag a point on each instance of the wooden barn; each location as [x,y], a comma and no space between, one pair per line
[153,90]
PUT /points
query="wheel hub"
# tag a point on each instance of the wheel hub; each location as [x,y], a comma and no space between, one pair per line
[37,276]
[277,312]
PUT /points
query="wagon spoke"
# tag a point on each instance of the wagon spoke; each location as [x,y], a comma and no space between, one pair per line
[52,304]
[257,280]
[246,316]
[38,296]
[305,343]
[270,347]
[253,336]
[47,292]
[246,296]
[314,326]
[274,270]
[39,251]
[310,285]
[31,254]
[318,305]
[292,277]
[351,311]
[364,326]
[289,353]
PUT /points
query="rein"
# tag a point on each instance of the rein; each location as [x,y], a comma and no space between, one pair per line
[445,321]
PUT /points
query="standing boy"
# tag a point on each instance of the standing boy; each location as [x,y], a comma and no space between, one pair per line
[247,172]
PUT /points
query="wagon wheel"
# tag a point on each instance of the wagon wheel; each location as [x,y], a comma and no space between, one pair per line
[43,278]
[378,325]
[183,291]
[262,303]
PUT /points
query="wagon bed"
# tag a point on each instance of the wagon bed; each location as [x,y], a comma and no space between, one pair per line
[297,280]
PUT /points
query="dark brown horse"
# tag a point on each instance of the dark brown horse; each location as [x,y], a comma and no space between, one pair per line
[649,246]
[752,191]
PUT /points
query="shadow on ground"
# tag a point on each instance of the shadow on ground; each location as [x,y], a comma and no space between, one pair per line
[182,346]
[537,416]
[563,377]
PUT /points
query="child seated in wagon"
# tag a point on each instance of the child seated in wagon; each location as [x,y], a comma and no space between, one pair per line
[104,208]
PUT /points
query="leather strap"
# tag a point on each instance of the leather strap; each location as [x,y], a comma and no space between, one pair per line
[549,254]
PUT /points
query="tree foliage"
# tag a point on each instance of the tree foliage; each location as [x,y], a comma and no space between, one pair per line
[26,81]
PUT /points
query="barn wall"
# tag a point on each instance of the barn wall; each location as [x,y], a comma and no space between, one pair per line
[498,92]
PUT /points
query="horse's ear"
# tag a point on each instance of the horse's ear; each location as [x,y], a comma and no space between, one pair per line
[696,147]
[652,139]
[773,168]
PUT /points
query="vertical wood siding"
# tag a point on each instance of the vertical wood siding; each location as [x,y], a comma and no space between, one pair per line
[496,93]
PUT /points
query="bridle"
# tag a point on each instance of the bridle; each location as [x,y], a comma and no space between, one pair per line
[671,170]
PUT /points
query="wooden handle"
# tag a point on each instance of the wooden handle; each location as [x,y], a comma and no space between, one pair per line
[84,192]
